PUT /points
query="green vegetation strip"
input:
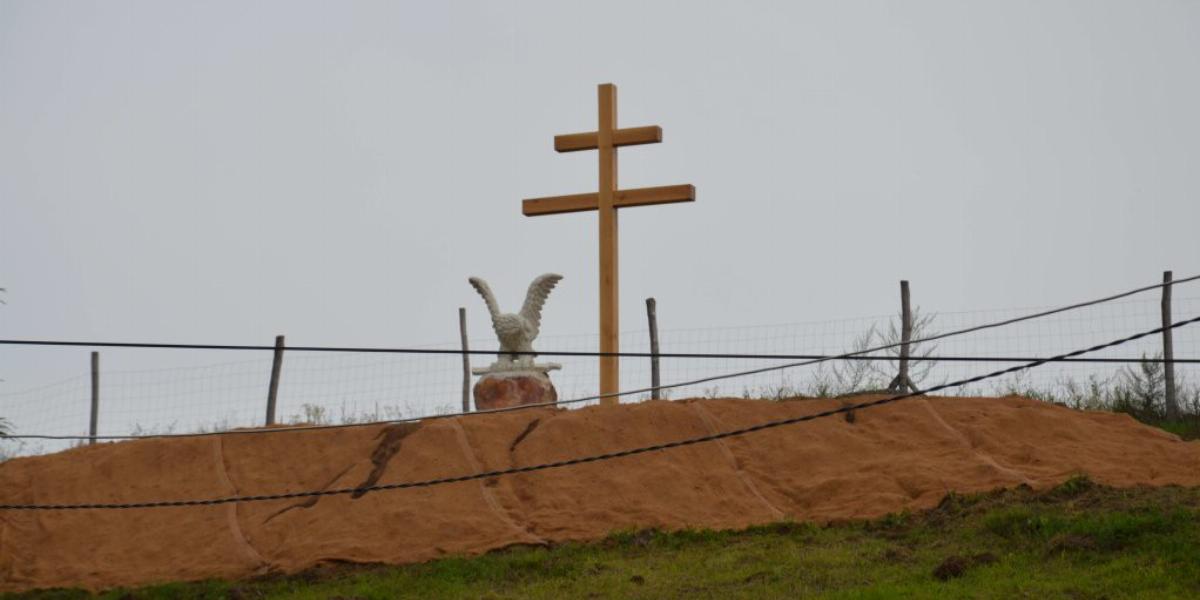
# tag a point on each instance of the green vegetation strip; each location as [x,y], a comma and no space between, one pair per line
[1079,540]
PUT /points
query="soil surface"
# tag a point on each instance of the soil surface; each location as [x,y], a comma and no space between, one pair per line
[900,456]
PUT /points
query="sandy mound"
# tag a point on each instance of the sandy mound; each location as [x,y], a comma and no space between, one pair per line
[904,455]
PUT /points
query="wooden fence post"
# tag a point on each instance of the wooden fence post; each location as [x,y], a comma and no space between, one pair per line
[273,391]
[95,398]
[902,382]
[1172,405]
[466,360]
[652,316]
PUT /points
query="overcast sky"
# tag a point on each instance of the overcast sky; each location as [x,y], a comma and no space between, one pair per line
[221,172]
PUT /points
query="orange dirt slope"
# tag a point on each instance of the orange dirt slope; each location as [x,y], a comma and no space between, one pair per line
[906,455]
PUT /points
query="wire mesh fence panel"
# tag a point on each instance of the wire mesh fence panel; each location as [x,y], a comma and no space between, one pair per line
[1031,339]
[205,398]
[1061,333]
[61,407]
[347,387]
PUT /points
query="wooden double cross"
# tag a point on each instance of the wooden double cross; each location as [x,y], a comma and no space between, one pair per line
[606,139]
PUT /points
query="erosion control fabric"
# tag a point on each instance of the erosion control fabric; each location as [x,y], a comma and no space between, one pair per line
[900,456]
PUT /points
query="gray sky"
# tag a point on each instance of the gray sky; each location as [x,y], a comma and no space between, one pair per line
[220,172]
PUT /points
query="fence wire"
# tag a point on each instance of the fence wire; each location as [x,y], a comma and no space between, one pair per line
[356,387]
[579,460]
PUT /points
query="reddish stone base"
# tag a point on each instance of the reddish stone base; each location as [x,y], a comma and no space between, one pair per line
[513,389]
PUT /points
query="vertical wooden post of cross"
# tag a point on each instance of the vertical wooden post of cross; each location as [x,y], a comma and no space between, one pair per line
[610,319]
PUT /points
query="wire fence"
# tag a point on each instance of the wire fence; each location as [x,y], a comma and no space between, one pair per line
[845,408]
[350,387]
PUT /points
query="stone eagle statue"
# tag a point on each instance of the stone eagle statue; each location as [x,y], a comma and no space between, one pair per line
[516,332]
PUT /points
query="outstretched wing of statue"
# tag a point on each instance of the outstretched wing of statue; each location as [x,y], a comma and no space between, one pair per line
[481,286]
[535,298]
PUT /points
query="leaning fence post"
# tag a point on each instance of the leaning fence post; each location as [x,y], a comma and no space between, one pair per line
[273,391]
[466,360]
[1168,349]
[902,382]
[652,316]
[95,398]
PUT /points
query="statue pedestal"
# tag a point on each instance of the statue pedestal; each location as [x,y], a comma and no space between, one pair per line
[515,385]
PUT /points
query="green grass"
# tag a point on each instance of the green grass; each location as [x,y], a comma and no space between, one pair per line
[1187,428]
[1076,541]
